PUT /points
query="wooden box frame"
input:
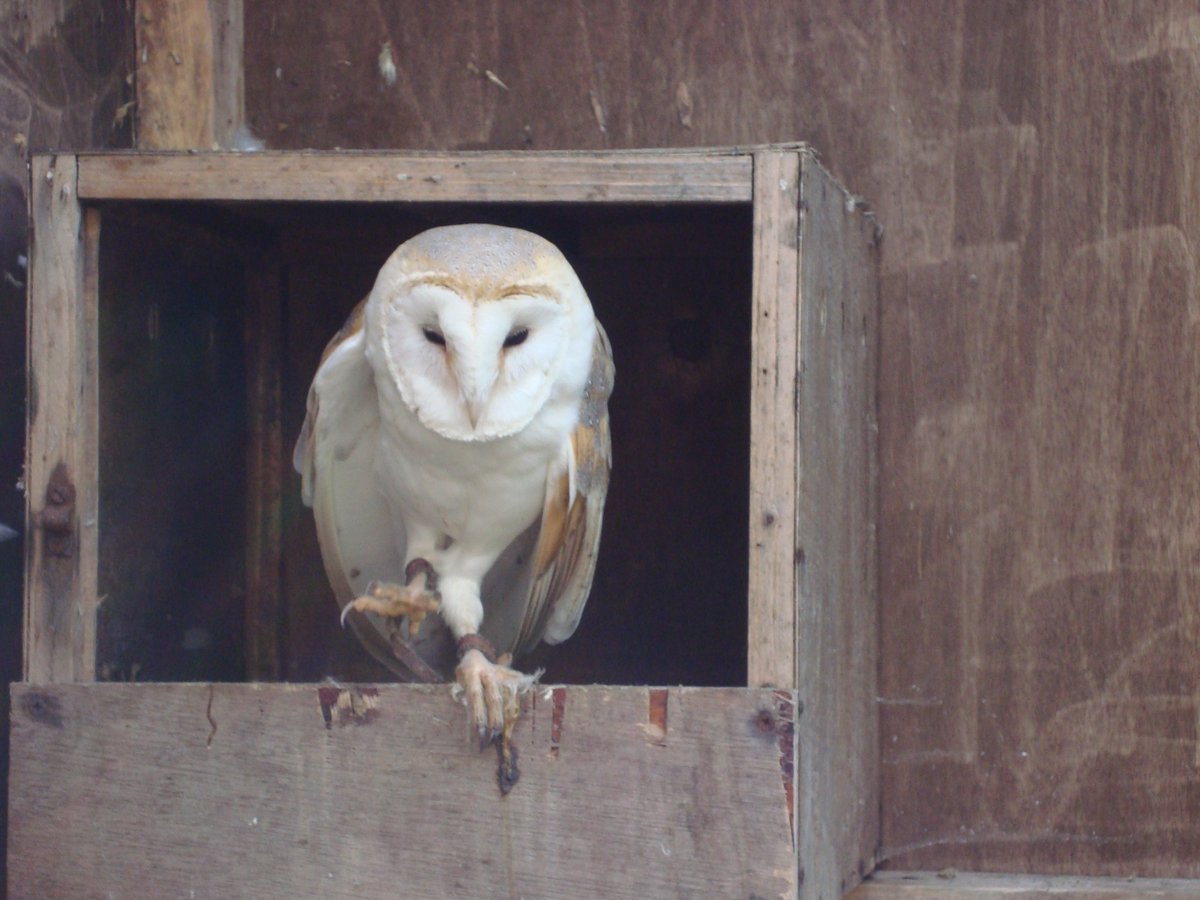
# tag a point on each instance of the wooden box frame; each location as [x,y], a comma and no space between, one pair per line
[769,789]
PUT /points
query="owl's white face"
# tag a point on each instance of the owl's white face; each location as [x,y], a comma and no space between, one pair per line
[475,324]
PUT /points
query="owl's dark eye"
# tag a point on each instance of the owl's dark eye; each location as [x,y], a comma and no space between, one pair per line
[516,336]
[434,336]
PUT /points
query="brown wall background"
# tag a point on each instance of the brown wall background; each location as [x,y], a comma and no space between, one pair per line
[1036,167]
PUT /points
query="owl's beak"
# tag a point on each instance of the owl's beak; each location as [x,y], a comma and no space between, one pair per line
[475,410]
[476,390]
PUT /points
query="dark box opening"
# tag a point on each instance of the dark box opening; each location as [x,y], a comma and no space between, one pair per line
[177,339]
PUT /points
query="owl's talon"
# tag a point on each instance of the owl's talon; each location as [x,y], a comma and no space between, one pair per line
[487,737]
[393,601]
[492,692]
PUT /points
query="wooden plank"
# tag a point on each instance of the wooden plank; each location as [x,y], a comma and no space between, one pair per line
[499,177]
[226,18]
[61,461]
[949,884]
[266,468]
[836,621]
[190,85]
[174,75]
[291,790]
[771,627]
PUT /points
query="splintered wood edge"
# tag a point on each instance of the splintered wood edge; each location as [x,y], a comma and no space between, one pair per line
[492,177]
[896,885]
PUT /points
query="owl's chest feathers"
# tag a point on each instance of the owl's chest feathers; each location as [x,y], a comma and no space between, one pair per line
[486,491]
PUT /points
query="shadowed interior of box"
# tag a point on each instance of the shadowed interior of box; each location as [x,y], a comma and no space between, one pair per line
[177,339]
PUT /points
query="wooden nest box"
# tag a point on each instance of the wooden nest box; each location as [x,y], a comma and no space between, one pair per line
[178,305]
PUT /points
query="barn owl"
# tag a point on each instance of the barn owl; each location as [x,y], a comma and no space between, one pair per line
[456,455]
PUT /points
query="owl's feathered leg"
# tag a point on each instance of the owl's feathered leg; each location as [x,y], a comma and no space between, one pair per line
[485,680]
[416,599]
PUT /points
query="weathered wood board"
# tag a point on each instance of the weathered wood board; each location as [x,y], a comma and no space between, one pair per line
[224,790]
[61,457]
[649,177]
[774,412]
[836,627]
[952,885]
[189,73]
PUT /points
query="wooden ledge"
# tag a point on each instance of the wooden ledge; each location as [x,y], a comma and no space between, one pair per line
[888,885]
[228,790]
[634,177]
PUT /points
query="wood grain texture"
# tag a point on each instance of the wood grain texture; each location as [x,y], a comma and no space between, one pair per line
[1039,431]
[175,75]
[774,473]
[190,84]
[632,178]
[837,817]
[60,577]
[951,885]
[226,19]
[180,72]
[295,790]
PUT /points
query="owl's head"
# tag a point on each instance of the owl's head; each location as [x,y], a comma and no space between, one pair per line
[478,326]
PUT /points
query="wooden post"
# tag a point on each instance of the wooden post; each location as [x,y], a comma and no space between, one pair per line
[190,88]
[62,435]
[837,732]
[771,627]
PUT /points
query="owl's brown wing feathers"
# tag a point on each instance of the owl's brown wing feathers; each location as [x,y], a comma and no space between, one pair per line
[564,557]
[304,456]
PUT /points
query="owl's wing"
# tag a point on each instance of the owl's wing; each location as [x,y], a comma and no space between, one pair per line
[564,558]
[335,456]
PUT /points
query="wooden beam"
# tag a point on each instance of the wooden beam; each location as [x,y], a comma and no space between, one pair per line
[62,429]
[460,177]
[771,628]
[229,87]
[950,885]
[837,592]
[295,790]
[189,73]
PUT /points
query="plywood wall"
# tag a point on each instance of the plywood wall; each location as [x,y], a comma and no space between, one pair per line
[1033,166]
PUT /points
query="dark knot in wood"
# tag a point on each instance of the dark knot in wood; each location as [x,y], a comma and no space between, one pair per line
[57,518]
